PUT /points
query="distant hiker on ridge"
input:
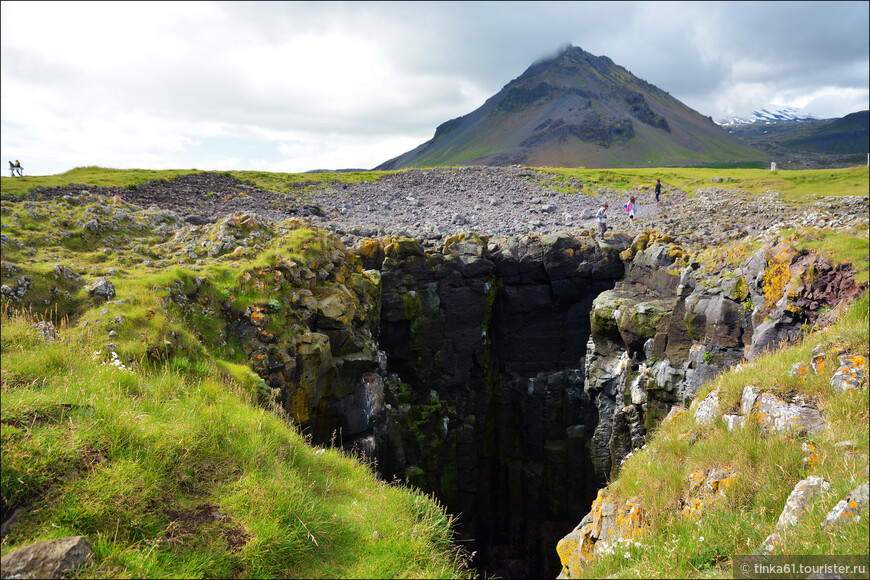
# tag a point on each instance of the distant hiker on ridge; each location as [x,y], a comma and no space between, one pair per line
[18,167]
[601,216]
[11,169]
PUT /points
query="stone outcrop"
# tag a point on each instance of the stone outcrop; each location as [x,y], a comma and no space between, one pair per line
[654,340]
[773,415]
[49,559]
[848,510]
[707,488]
[516,370]
[803,494]
[310,334]
[102,288]
[851,372]
[672,324]
[609,524]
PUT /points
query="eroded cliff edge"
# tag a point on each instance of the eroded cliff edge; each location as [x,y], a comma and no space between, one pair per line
[510,376]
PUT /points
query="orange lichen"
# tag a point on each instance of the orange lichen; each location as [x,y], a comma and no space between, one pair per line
[707,488]
[776,277]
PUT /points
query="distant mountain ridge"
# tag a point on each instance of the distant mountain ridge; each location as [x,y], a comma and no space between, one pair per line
[765,116]
[832,141]
[578,110]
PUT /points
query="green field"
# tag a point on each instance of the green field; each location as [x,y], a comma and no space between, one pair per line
[796,186]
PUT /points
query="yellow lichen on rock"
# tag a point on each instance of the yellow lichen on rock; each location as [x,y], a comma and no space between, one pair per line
[609,522]
[370,251]
[707,488]
[777,274]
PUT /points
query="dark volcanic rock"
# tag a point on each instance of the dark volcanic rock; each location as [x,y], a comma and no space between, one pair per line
[201,198]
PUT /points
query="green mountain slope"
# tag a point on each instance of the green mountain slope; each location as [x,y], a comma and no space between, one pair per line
[578,110]
[851,134]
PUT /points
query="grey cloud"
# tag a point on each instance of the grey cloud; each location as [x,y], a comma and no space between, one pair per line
[449,56]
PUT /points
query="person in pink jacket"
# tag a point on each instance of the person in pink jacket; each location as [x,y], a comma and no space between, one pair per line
[631,208]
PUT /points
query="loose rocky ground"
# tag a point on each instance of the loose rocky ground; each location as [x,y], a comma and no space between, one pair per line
[432,204]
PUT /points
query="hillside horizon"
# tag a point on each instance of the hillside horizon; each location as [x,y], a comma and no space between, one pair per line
[578,110]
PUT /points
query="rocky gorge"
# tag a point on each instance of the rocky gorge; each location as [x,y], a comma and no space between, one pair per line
[468,331]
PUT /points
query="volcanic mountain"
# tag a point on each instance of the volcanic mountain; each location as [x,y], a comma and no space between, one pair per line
[578,110]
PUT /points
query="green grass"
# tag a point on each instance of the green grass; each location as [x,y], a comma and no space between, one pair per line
[17,187]
[173,473]
[803,186]
[140,460]
[733,165]
[768,467]
[798,187]
[294,182]
[14,187]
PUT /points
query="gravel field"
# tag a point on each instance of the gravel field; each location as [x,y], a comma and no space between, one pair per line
[496,201]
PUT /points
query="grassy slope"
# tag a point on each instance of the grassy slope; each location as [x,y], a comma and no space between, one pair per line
[176,469]
[177,472]
[768,467]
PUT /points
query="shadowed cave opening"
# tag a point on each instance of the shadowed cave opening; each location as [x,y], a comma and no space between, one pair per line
[492,413]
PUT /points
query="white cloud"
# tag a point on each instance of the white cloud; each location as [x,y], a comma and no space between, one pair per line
[293,86]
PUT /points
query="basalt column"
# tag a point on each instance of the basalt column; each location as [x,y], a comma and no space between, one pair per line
[485,343]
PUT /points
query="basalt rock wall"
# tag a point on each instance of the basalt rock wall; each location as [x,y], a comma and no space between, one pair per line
[511,376]
[672,323]
[485,344]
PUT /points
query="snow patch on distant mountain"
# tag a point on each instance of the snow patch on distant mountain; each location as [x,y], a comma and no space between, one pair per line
[768,116]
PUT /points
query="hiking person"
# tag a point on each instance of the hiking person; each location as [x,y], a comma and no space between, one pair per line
[601,216]
[630,208]
[658,192]
[18,167]
[11,169]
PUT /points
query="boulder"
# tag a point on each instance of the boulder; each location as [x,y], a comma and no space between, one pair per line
[609,523]
[799,500]
[707,488]
[779,416]
[102,288]
[49,559]
[851,373]
[708,409]
[848,510]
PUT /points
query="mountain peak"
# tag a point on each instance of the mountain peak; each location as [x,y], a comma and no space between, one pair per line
[577,109]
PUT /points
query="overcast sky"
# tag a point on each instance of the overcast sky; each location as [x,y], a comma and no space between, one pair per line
[297,86]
